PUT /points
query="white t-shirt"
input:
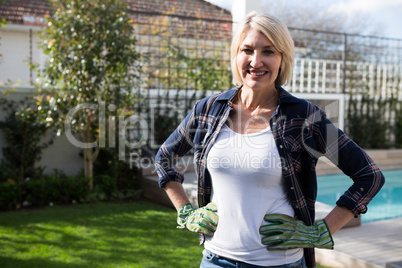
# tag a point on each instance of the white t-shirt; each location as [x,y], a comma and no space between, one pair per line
[247,184]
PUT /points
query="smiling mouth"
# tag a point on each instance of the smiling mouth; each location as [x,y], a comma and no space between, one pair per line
[256,73]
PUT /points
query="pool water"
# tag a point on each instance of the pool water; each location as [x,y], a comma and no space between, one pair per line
[387,204]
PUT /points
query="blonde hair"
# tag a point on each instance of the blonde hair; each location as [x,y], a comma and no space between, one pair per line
[276,32]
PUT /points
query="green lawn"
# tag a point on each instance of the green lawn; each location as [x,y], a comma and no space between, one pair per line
[138,234]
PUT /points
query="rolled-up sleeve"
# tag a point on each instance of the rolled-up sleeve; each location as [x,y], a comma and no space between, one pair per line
[178,144]
[355,163]
[367,179]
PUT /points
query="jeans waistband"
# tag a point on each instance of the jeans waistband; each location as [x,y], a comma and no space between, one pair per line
[226,262]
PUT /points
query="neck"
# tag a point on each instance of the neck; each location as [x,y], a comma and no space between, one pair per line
[253,100]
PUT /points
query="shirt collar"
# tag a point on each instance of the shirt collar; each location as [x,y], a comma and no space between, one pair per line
[228,95]
[284,96]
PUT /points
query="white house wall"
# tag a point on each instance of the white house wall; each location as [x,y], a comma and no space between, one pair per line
[60,155]
[15,47]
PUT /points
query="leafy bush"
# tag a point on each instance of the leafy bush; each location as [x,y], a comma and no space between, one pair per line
[107,184]
[24,128]
[64,190]
[115,178]
[36,192]
[7,172]
[80,189]
[367,124]
[9,194]
[56,188]
[166,125]
[398,128]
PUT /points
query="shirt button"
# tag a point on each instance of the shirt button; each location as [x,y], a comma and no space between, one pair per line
[292,188]
[281,146]
[361,189]
[285,168]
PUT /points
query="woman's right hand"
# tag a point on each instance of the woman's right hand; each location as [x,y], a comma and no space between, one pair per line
[203,220]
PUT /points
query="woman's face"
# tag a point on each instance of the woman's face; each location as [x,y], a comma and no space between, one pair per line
[258,61]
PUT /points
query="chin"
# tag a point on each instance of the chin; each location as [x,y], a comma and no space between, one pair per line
[258,85]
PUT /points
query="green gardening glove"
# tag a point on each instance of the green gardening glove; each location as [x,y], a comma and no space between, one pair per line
[203,220]
[286,232]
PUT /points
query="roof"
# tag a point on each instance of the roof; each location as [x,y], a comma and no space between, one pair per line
[182,8]
[32,12]
[191,19]
[26,12]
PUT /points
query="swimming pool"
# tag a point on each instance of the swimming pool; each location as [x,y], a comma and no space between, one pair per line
[387,204]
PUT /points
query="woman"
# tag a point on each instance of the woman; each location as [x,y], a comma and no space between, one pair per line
[255,151]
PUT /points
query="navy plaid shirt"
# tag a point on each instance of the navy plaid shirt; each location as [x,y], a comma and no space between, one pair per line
[302,134]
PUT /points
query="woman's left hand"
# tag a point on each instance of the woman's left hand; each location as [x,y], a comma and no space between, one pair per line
[285,232]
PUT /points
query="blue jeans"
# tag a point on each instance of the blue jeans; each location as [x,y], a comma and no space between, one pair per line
[211,260]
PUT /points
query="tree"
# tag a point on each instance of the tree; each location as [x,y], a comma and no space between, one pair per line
[24,133]
[92,64]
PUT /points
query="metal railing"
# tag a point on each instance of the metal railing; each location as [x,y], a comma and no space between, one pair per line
[186,58]
[186,55]
[327,76]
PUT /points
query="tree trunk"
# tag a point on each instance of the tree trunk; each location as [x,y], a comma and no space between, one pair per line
[88,166]
[90,155]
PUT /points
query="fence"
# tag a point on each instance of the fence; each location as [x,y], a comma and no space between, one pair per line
[186,58]
[368,70]
[331,76]
[337,61]
[183,53]
[183,59]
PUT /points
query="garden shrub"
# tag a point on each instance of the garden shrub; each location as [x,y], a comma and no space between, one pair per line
[115,178]
[367,124]
[56,188]
[69,189]
[24,130]
[80,188]
[107,184]
[398,128]
[36,192]
[166,125]
[7,172]
[9,194]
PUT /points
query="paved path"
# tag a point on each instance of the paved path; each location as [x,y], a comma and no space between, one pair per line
[370,245]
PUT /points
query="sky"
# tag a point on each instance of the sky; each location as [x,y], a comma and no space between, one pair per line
[387,13]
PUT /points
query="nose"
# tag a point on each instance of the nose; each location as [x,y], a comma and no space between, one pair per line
[255,60]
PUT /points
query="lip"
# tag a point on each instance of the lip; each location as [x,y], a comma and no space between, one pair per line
[256,73]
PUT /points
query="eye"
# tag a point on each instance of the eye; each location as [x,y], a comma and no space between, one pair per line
[268,51]
[247,50]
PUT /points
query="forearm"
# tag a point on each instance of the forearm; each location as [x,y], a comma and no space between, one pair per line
[337,218]
[176,193]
